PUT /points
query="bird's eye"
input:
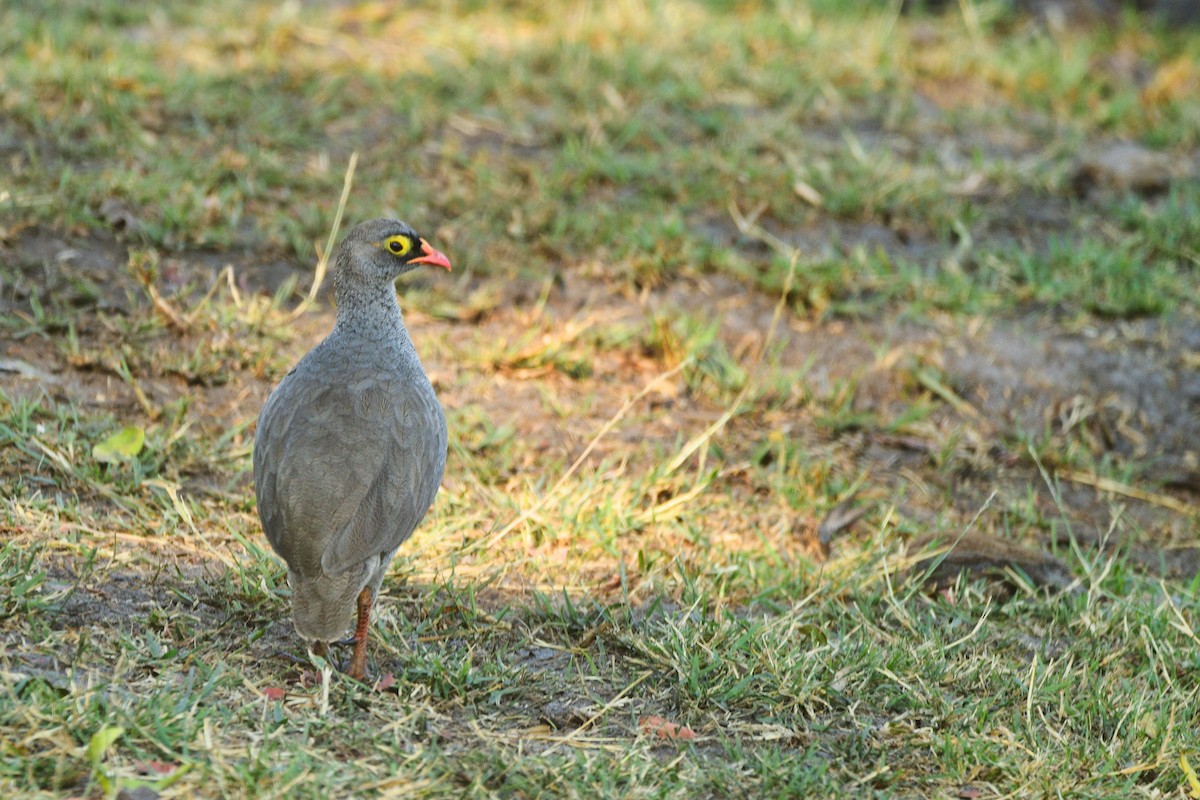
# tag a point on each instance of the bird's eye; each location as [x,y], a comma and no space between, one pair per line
[399,245]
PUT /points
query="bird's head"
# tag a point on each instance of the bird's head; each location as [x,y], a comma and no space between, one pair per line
[382,250]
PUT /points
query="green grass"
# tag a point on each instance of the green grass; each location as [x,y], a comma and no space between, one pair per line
[526,127]
[860,687]
[853,241]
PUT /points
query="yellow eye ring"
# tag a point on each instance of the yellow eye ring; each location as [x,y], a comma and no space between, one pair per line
[398,245]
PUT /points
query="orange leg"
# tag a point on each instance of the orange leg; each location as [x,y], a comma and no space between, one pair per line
[358,662]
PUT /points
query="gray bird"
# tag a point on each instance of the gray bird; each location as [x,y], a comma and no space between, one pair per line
[351,444]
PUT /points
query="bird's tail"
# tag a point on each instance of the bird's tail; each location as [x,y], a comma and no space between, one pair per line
[323,606]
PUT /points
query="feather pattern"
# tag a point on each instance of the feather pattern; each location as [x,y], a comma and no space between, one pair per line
[349,454]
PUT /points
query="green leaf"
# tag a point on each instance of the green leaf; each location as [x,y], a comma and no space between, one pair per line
[124,445]
[101,741]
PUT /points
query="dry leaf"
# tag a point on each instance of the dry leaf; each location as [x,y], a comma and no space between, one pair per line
[611,585]
[665,729]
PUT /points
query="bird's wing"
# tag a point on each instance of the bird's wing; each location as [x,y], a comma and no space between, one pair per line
[346,471]
[411,451]
[269,440]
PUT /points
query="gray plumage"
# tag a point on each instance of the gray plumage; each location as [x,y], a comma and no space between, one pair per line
[351,444]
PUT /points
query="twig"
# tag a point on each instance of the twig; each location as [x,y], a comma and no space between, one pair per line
[1109,485]
[164,308]
[323,256]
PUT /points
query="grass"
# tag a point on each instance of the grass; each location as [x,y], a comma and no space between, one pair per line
[721,272]
[558,113]
[784,694]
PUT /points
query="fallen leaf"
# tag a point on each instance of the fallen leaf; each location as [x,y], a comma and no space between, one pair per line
[387,681]
[612,584]
[124,445]
[274,693]
[665,729]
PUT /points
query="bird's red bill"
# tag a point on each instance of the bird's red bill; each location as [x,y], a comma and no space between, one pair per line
[432,256]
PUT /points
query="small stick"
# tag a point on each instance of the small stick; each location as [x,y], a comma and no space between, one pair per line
[1109,485]
[323,260]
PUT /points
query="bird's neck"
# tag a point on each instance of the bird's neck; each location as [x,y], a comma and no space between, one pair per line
[368,311]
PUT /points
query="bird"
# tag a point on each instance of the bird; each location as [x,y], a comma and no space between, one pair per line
[351,445]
